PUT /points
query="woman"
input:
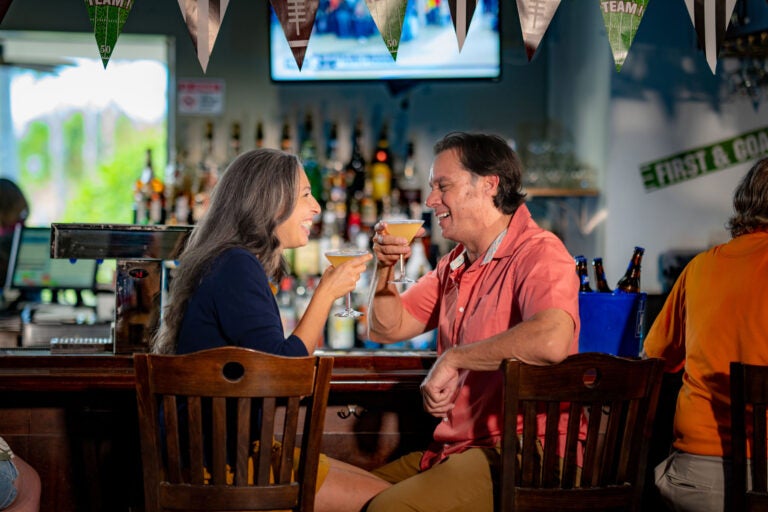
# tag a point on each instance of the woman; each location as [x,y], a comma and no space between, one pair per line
[220,293]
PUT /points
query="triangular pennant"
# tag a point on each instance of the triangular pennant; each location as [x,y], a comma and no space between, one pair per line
[107,22]
[461,13]
[388,16]
[203,19]
[4,5]
[535,16]
[710,19]
[297,17]
[621,21]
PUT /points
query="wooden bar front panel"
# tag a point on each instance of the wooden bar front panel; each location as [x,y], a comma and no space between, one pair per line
[74,419]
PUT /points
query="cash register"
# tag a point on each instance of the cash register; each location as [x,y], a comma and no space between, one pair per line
[45,297]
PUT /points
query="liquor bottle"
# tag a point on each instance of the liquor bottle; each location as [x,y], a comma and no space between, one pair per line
[600,281]
[181,194]
[355,168]
[335,182]
[234,143]
[583,273]
[381,168]
[408,183]
[286,143]
[308,155]
[340,332]
[149,197]
[207,176]
[258,141]
[630,282]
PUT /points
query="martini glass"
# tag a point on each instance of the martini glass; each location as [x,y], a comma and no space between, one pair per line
[337,257]
[404,228]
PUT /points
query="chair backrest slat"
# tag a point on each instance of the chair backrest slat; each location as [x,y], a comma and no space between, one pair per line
[749,397]
[599,462]
[219,427]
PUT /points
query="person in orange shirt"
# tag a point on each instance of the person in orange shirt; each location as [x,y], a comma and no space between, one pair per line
[507,290]
[716,312]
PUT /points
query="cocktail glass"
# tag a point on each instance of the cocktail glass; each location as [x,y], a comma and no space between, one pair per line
[337,257]
[405,228]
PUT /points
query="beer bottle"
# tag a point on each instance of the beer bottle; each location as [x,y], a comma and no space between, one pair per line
[600,281]
[583,273]
[630,282]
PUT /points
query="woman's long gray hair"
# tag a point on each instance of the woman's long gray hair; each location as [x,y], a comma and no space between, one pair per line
[750,201]
[256,193]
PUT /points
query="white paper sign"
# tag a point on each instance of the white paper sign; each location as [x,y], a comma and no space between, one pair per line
[200,96]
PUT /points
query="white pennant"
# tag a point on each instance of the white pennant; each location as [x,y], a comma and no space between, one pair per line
[535,16]
[203,19]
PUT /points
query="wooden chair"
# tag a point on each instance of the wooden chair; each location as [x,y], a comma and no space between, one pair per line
[749,396]
[200,413]
[616,400]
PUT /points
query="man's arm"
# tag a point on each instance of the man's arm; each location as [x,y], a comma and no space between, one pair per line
[388,321]
[545,338]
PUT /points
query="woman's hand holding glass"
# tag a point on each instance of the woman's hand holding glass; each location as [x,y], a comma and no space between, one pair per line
[347,264]
[392,243]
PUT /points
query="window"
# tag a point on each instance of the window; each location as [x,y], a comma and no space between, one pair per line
[73,134]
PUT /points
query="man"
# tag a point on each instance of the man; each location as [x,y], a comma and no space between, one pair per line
[714,314]
[507,290]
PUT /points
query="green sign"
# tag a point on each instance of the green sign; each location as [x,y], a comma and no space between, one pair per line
[107,18]
[704,160]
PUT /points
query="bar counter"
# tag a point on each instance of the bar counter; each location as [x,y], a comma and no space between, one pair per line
[353,371]
[73,417]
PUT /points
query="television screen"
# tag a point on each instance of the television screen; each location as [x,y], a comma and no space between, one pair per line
[32,268]
[346,45]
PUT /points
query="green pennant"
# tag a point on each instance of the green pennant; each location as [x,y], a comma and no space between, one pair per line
[107,18]
[621,20]
[388,16]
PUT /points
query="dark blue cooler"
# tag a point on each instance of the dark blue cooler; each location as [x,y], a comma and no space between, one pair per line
[612,323]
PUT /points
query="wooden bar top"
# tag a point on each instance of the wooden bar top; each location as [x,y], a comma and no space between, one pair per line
[353,371]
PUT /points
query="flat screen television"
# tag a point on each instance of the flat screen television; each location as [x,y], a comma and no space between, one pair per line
[346,45]
[31,268]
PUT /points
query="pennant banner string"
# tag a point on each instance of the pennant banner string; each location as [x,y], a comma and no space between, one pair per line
[107,22]
[203,19]
[535,16]
[297,17]
[622,20]
[461,13]
[710,20]
[4,5]
[388,16]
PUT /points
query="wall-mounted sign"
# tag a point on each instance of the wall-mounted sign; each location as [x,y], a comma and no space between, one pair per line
[200,96]
[704,160]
